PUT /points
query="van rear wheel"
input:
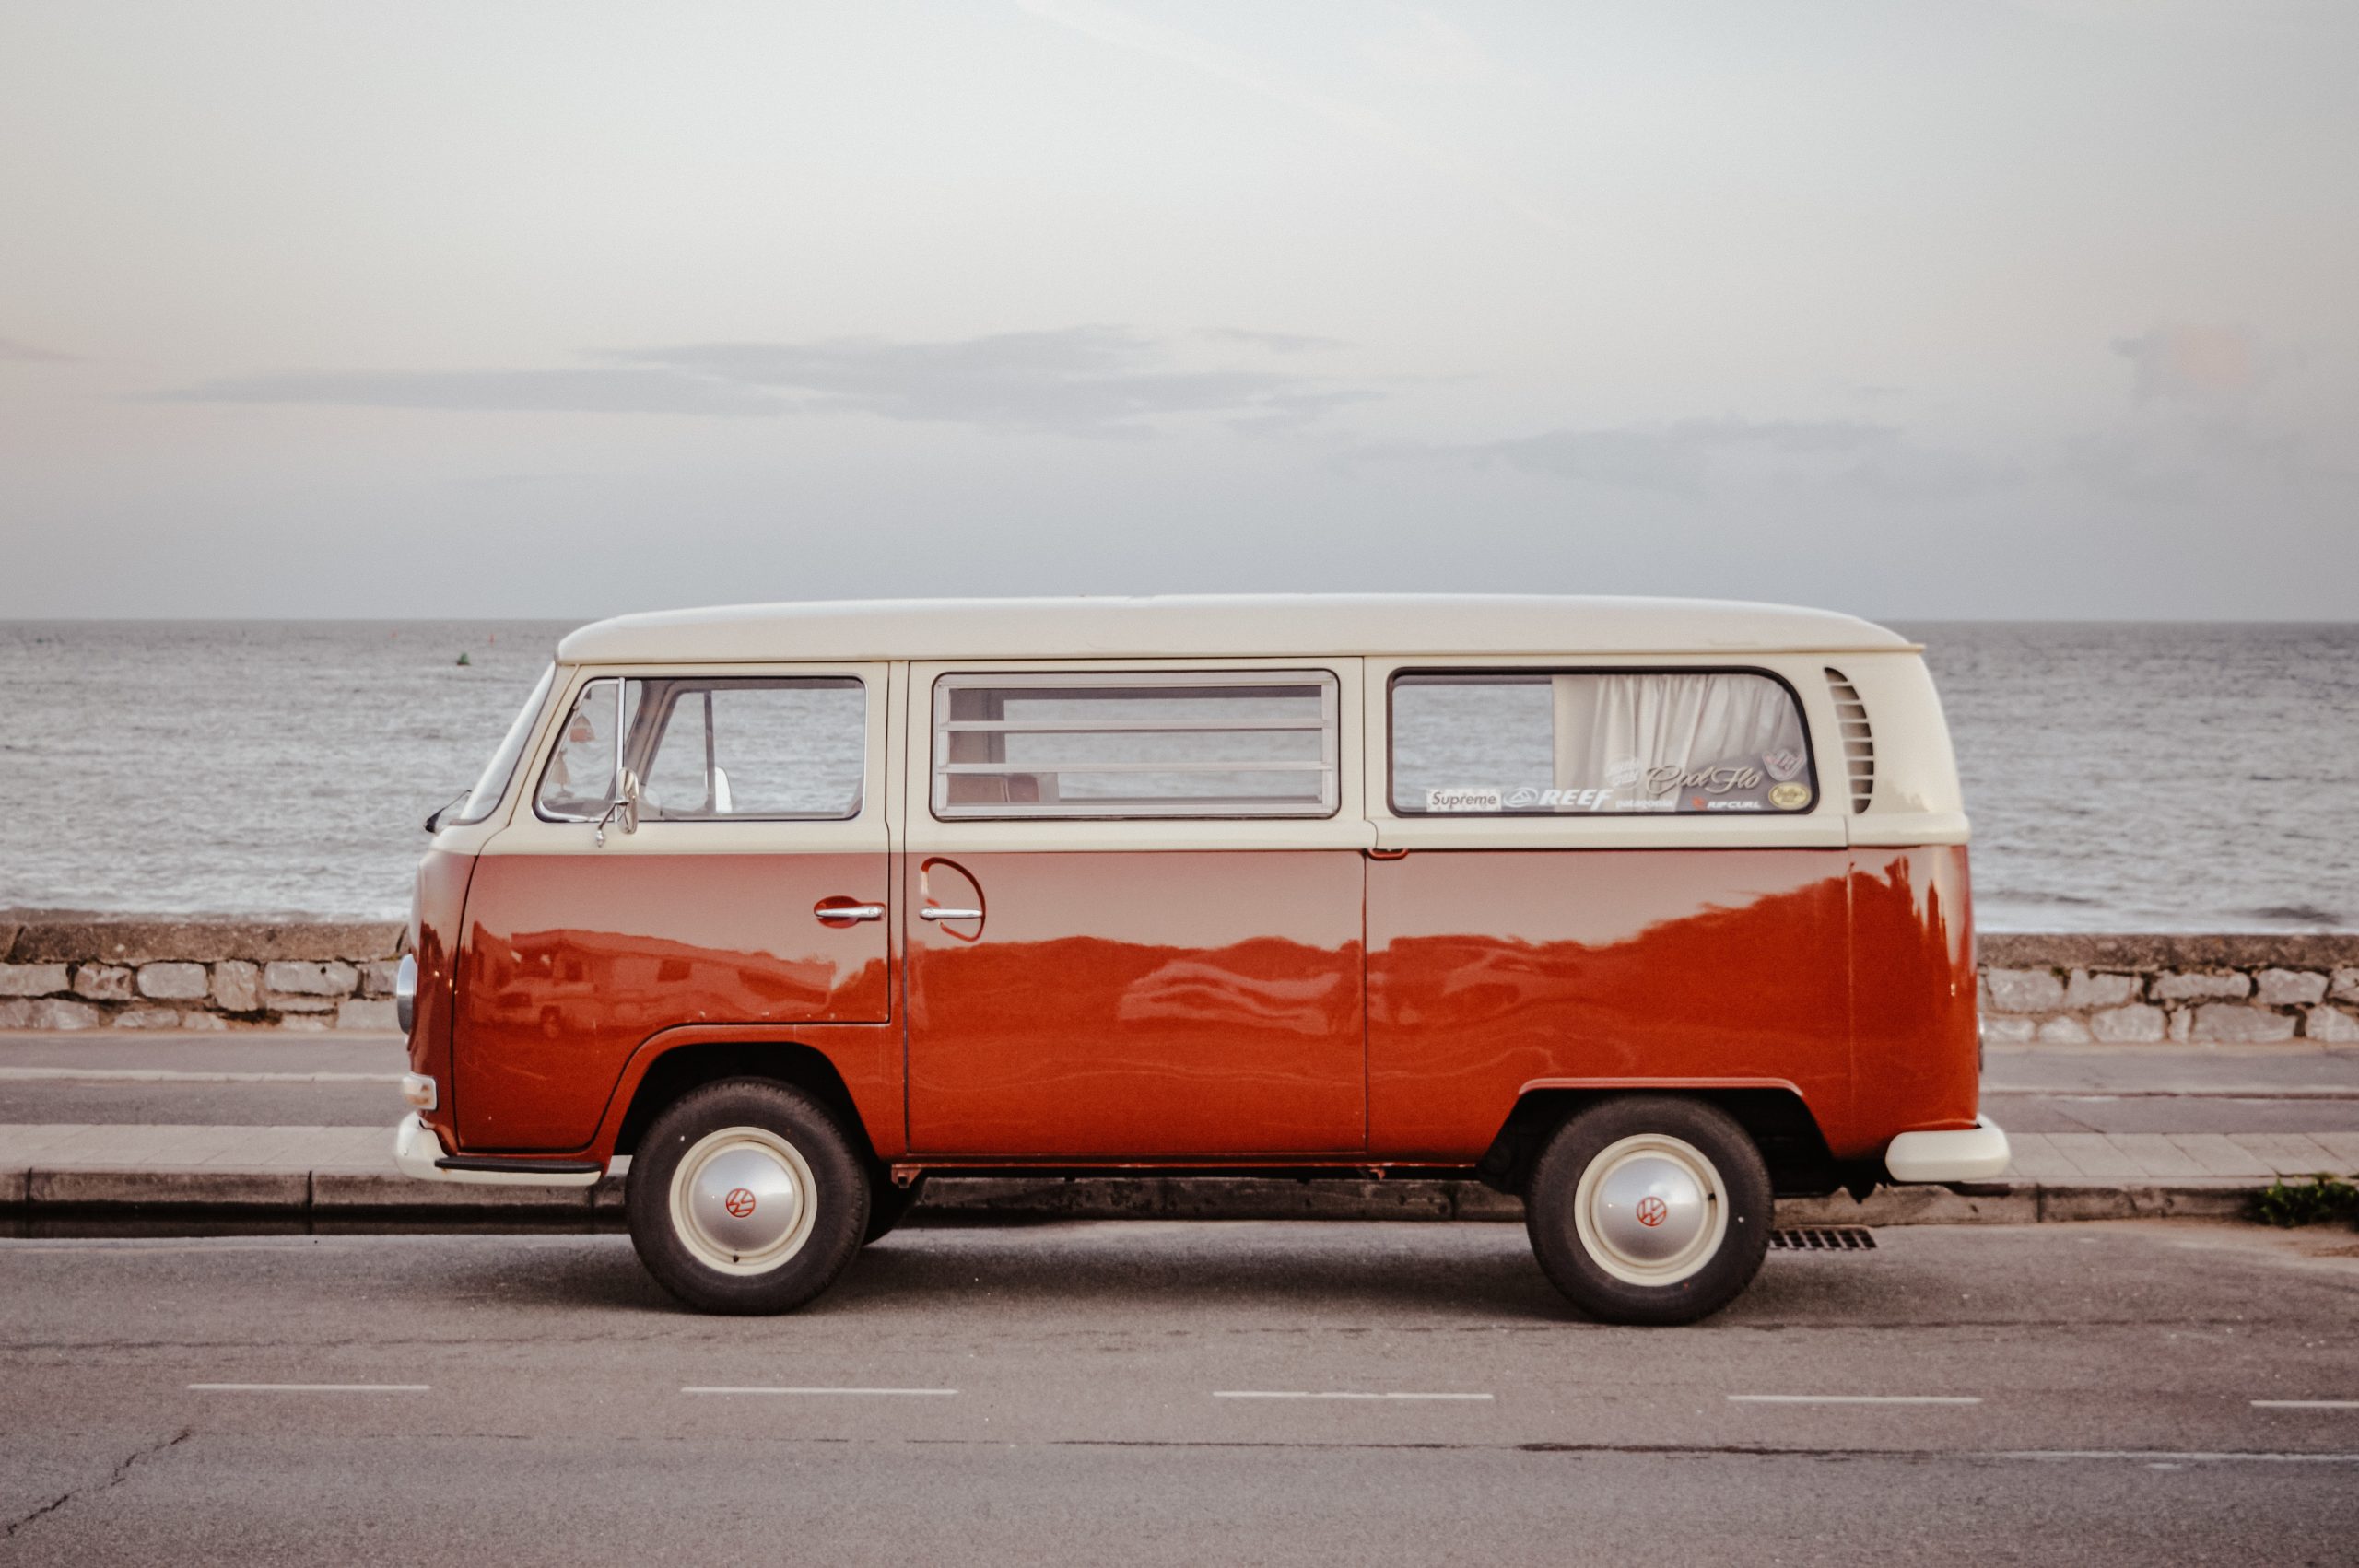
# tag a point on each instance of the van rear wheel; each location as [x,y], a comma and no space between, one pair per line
[1650,1209]
[745,1197]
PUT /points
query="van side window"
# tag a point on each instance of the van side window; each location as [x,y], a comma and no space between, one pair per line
[1200,743]
[754,749]
[1592,741]
[714,749]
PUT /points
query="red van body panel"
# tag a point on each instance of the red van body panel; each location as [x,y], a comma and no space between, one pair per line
[1489,970]
[441,899]
[1128,1007]
[1128,1004]
[573,962]
[1914,1019]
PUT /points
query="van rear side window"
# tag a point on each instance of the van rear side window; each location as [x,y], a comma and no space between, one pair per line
[1203,743]
[1596,741]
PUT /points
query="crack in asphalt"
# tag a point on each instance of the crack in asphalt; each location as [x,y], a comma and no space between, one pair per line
[121,1473]
[1671,1450]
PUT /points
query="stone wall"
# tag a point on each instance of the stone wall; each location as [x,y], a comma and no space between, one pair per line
[2214,990]
[92,972]
[89,972]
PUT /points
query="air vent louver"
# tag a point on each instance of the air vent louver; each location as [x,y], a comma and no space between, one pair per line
[1859,740]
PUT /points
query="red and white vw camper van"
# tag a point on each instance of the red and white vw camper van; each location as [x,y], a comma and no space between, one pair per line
[1645,910]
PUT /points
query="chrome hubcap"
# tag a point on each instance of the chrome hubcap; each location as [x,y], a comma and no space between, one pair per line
[743,1201]
[1650,1209]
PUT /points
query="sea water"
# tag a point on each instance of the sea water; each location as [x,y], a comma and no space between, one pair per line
[2120,777]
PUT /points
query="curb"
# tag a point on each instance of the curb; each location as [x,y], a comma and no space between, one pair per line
[350,1200]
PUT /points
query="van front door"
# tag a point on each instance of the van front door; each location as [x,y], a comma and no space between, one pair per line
[754,889]
[1133,914]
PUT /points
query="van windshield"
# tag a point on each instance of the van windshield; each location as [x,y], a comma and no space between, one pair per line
[486,796]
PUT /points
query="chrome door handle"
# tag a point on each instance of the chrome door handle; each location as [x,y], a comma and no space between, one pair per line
[848,913]
[950,914]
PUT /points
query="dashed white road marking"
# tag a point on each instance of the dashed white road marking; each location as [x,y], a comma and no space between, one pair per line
[174,1075]
[2174,1457]
[1853,1399]
[1309,1394]
[311,1388]
[2305,1404]
[913,1393]
[139,1248]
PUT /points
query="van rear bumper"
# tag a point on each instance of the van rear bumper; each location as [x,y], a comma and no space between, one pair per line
[419,1153]
[1979,1154]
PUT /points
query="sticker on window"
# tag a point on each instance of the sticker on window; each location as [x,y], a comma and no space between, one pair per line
[1464,800]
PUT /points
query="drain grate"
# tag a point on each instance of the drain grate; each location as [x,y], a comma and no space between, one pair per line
[1823,1238]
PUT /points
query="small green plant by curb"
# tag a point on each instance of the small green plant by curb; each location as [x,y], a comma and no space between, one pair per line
[2325,1198]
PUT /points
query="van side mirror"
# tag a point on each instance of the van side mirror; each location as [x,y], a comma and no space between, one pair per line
[624,813]
[434,823]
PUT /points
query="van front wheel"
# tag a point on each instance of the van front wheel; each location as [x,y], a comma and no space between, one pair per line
[1650,1209]
[745,1197]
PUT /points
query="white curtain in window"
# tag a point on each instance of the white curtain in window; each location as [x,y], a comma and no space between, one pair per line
[1604,723]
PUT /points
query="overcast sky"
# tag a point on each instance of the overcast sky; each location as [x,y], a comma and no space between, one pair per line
[2039,308]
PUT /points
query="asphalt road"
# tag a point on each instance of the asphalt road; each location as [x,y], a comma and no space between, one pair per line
[228,1079]
[260,1079]
[1156,1393]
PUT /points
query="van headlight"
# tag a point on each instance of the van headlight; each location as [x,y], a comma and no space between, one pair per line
[405,991]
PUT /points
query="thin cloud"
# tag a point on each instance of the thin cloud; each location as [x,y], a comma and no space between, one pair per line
[2215,415]
[2185,361]
[1091,380]
[25,352]
[1291,411]
[1085,380]
[601,390]
[1678,458]
[1275,342]
[2204,462]
[1121,30]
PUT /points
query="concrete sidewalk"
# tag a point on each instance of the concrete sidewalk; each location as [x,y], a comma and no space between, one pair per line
[2104,1132]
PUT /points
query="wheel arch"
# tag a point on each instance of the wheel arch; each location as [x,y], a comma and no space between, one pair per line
[1774,1113]
[671,1070]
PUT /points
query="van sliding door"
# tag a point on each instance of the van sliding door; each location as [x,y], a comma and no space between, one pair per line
[1132,906]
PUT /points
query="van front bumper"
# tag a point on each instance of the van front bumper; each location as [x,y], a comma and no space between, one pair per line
[1978,1153]
[419,1153]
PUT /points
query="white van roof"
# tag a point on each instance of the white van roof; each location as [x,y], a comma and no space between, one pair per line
[1220,625]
